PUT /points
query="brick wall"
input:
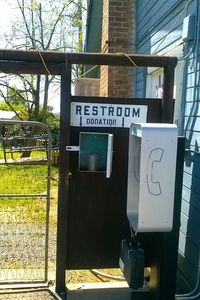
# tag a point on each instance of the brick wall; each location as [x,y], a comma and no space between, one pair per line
[118,35]
[86,87]
[104,49]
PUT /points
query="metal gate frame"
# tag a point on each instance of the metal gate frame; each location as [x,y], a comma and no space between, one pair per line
[47,195]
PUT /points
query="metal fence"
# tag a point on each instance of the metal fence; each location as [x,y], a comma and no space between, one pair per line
[25,175]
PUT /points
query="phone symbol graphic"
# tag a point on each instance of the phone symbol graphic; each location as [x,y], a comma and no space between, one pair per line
[153,184]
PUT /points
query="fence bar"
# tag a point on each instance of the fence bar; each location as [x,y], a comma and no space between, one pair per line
[63,199]
[32,56]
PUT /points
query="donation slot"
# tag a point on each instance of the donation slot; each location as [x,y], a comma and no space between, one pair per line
[95,152]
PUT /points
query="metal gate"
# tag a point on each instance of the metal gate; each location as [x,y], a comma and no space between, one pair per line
[25,172]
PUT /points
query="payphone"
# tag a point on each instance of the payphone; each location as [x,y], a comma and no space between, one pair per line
[150,195]
[151,176]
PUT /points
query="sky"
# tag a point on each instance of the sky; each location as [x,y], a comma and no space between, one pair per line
[7,15]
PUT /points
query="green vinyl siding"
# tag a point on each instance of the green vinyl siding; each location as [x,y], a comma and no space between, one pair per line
[93,33]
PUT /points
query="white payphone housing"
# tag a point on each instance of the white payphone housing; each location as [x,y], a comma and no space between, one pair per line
[151,176]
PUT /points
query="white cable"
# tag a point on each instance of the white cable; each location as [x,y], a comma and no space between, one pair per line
[97,272]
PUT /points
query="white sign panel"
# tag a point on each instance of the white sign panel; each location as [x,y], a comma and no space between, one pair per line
[106,115]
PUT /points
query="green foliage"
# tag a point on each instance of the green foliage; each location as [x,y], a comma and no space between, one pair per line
[52,120]
[16,101]
[14,96]
[19,108]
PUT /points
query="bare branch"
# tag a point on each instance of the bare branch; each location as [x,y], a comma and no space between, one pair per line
[26,23]
[60,16]
[17,91]
[41,26]
[54,25]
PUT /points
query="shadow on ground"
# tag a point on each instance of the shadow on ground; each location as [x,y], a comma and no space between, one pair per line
[28,295]
[108,294]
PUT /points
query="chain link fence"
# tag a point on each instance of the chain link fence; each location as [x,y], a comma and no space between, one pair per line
[25,207]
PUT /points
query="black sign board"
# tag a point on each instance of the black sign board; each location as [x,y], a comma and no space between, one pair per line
[96,214]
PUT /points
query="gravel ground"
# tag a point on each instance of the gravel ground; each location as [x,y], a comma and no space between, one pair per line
[22,247]
[26,295]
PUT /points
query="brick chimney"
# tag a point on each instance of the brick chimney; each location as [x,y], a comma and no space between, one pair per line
[118,35]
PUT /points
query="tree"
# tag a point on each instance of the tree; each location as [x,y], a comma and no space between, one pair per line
[14,101]
[42,25]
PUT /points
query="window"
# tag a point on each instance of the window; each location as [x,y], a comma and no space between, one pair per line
[154,83]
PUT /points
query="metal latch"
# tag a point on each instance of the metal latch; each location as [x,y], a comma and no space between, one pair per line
[72,148]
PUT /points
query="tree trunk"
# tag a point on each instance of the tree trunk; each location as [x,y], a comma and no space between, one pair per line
[37,98]
[45,104]
[30,143]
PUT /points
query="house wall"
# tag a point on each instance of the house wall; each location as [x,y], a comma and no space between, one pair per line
[93,34]
[159,30]
[116,19]
[89,85]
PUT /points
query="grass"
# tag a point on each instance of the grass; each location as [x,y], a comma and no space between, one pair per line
[23,219]
[41,153]
[24,179]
